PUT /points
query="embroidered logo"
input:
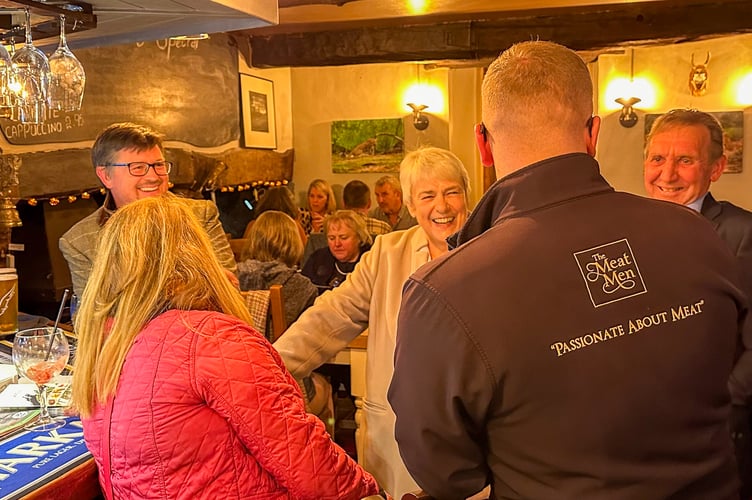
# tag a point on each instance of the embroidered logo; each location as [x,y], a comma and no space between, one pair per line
[610,272]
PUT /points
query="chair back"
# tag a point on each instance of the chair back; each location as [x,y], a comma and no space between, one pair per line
[267,309]
[417,495]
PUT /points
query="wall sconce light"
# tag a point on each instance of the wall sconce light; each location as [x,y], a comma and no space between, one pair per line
[628,117]
[420,121]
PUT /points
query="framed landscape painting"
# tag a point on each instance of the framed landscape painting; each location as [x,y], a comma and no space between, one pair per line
[367,145]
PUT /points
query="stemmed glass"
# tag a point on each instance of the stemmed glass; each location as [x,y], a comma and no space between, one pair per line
[7,76]
[40,354]
[32,72]
[67,77]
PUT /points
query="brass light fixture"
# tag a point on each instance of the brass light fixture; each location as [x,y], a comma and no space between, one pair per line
[420,121]
[628,117]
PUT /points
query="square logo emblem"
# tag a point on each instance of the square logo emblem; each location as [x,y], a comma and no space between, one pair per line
[610,272]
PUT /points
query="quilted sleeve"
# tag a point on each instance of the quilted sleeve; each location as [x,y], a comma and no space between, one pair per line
[243,379]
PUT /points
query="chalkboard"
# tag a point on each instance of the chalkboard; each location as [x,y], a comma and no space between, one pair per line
[188,90]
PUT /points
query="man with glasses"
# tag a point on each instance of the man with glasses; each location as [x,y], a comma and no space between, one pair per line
[129,161]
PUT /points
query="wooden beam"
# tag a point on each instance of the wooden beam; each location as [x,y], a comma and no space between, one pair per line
[485,35]
[296,3]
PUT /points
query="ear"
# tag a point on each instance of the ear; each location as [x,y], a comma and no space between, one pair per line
[717,168]
[104,177]
[591,134]
[481,138]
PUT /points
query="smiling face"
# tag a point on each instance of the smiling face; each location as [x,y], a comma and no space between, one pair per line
[317,200]
[388,198]
[126,188]
[678,166]
[343,242]
[440,207]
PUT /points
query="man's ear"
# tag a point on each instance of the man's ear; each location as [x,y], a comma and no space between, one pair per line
[591,138]
[481,139]
[717,168]
[104,177]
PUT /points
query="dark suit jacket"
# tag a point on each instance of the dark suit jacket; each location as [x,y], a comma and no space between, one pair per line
[734,225]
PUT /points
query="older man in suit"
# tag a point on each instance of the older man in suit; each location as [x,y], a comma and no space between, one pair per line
[683,156]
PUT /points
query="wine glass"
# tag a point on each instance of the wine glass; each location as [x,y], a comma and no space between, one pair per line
[40,354]
[67,77]
[32,77]
[7,96]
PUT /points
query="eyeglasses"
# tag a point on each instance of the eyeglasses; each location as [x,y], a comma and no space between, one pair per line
[140,168]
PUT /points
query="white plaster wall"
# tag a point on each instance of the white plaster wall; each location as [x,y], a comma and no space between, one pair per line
[620,150]
[372,91]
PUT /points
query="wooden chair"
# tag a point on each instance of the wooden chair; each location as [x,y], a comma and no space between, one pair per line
[267,309]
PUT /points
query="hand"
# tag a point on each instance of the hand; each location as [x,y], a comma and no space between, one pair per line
[317,221]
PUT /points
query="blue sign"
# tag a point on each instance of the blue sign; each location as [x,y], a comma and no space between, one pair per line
[30,459]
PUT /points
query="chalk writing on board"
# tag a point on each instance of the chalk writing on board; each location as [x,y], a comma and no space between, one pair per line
[186,89]
[167,44]
[55,123]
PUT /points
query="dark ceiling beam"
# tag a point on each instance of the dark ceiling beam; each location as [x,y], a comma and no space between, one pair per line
[430,38]
[297,3]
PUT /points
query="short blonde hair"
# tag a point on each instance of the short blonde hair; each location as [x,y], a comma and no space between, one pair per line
[152,256]
[274,236]
[534,86]
[324,187]
[431,163]
[351,220]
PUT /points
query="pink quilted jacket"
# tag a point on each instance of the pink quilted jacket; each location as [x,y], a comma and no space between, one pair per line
[205,409]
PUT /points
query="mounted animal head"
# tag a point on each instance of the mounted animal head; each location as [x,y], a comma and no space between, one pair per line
[698,76]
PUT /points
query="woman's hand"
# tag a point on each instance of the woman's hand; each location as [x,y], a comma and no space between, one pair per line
[317,222]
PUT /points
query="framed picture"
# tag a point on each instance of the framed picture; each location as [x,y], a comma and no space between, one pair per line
[257,112]
[367,145]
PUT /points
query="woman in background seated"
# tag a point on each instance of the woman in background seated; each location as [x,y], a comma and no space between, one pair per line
[347,239]
[179,397]
[278,198]
[321,203]
[270,257]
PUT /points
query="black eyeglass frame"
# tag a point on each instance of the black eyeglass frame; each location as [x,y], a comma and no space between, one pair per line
[136,164]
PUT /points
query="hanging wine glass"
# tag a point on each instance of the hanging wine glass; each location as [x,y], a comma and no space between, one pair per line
[32,72]
[7,96]
[67,77]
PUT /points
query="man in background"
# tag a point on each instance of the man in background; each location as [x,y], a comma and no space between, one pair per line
[566,348]
[683,156]
[391,209]
[356,196]
[129,161]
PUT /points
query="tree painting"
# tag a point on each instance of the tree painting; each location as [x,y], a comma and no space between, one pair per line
[367,145]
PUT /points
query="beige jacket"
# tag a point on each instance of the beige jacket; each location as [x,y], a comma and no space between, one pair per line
[368,299]
[79,243]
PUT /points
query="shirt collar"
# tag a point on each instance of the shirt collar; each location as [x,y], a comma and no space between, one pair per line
[697,204]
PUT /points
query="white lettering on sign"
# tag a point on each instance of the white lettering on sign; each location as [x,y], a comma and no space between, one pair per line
[55,123]
[167,44]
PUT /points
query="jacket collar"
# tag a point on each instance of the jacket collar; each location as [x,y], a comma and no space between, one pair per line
[711,209]
[108,208]
[541,184]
